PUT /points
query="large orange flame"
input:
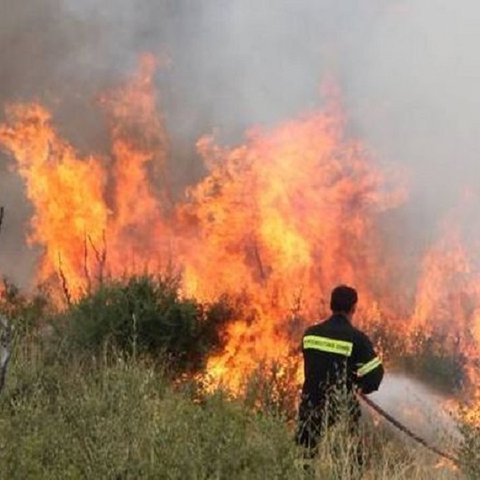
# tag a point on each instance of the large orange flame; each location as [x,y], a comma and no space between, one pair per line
[281,220]
[66,191]
[139,151]
[88,210]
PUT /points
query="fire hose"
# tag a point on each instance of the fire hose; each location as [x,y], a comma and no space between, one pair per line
[406,430]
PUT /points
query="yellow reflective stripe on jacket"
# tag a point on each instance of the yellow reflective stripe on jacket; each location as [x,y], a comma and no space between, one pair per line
[369,366]
[328,345]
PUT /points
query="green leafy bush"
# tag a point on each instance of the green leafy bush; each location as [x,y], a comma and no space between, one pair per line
[145,315]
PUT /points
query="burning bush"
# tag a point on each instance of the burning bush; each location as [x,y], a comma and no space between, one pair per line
[146,315]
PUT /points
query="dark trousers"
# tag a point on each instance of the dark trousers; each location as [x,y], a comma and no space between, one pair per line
[314,422]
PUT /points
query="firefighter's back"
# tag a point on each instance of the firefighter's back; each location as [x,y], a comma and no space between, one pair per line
[327,350]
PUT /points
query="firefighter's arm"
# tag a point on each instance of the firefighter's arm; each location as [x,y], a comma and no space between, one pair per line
[369,368]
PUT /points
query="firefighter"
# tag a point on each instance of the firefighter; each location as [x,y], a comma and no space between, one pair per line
[338,360]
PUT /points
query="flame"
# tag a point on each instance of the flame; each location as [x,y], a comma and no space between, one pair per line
[82,203]
[281,220]
[139,152]
[275,224]
[66,191]
[448,294]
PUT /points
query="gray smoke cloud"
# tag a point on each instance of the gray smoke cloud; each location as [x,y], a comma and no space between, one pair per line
[408,70]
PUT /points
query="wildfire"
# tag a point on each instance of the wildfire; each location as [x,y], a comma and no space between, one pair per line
[66,191]
[448,296]
[86,206]
[280,220]
[276,223]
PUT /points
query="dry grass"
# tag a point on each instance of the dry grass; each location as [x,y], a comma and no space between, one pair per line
[119,418]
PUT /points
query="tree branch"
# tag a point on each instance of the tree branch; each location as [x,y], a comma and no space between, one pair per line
[2,214]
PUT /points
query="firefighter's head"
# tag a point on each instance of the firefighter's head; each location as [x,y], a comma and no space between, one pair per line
[344,300]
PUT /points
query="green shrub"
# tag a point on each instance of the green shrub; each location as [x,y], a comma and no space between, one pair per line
[144,315]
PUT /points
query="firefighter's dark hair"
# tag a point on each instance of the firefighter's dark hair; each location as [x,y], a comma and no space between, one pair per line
[343,299]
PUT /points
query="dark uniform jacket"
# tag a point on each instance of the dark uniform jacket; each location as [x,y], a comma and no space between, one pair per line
[337,355]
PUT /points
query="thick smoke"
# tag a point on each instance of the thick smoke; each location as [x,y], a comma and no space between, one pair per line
[408,71]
